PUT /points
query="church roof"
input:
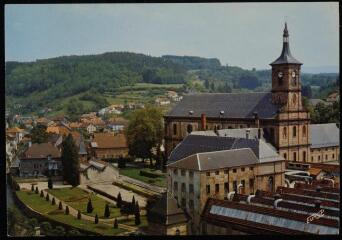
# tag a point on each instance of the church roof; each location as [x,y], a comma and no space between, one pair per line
[286,56]
[324,135]
[234,105]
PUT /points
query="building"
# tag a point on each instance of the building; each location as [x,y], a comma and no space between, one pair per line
[279,113]
[108,145]
[162,101]
[94,171]
[16,132]
[167,218]
[40,159]
[325,143]
[91,128]
[333,97]
[201,167]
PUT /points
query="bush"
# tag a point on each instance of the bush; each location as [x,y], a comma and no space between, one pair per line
[53,201]
[60,206]
[107,212]
[50,184]
[32,187]
[79,216]
[116,225]
[96,219]
[66,210]
[89,206]
[37,191]
[41,193]
[137,218]
[45,228]
[47,197]
[73,232]
[33,222]
[119,200]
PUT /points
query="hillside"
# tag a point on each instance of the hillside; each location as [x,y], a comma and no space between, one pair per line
[90,82]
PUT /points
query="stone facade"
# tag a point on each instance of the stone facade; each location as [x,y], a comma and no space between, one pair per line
[324,154]
[103,153]
[33,167]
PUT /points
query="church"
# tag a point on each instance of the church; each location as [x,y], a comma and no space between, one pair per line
[279,114]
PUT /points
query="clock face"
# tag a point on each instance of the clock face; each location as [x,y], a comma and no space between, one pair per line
[293,74]
[280,75]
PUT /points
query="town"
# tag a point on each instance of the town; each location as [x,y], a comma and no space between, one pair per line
[189,160]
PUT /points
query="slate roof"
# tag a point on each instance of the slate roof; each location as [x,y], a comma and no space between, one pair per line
[217,160]
[234,105]
[166,211]
[193,144]
[41,150]
[324,135]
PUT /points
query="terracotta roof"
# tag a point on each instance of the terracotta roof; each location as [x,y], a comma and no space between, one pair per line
[75,125]
[314,171]
[14,130]
[52,130]
[42,150]
[108,140]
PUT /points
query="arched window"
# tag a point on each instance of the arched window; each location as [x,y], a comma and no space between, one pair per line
[294,132]
[174,129]
[304,131]
[285,155]
[304,156]
[294,156]
[270,184]
[284,132]
[294,98]
[189,128]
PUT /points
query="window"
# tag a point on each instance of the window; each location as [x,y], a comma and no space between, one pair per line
[241,126]
[183,172]
[312,159]
[175,171]
[294,131]
[234,170]
[208,189]
[191,174]
[242,169]
[304,131]
[174,129]
[183,202]
[333,156]
[191,204]
[226,187]
[294,156]
[251,168]
[304,156]
[191,188]
[175,186]
[243,183]
[235,186]
[225,171]
[326,157]
[208,174]
[284,132]
[217,173]
[189,128]
[183,187]
[217,188]
[319,158]
[285,155]
[251,183]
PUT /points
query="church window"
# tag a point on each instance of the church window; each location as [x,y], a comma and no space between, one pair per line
[208,189]
[294,133]
[285,156]
[174,129]
[333,156]
[304,156]
[319,158]
[294,98]
[312,159]
[294,156]
[284,132]
[304,131]
[189,128]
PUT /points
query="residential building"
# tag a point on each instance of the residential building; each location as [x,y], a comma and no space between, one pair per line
[162,101]
[15,132]
[333,97]
[108,145]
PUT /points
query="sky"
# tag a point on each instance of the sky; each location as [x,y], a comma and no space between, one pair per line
[248,35]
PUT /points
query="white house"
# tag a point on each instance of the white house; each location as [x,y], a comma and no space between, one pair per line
[91,128]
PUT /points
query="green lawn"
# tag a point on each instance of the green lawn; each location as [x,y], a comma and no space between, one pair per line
[131,222]
[78,199]
[135,173]
[44,207]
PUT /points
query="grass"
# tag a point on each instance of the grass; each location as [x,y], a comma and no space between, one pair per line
[78,199]
[135,173]
[52,212]
[131,222]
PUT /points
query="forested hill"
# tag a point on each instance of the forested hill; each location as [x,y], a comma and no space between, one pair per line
[192,63]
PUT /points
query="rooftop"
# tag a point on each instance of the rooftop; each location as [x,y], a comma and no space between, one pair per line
[108,140]
[41,150]
[324,135]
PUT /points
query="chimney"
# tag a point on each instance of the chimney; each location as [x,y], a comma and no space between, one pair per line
[203,121]
[247,133]
[191,113]
[317,204]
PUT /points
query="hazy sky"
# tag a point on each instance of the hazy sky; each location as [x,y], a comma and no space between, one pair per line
[240,34]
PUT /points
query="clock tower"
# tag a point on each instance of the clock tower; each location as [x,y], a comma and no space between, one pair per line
[292,132]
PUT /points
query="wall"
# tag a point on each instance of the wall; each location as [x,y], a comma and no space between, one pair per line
[318,155]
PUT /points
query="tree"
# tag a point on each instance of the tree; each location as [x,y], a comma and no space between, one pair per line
[306,91]
[106,212]
[36,191]
[45,228]
[89,206]
[73,232]
[32,187]
[144,132]
[137,208]
[67,210]
[70,161]
[33,222]
[137,218]
[116,225]
[58,231]
[41,193]
[119,200]
[79,216]
[47,197]
[60,206]
[133,205]
[39,134]
[96,219]
[206,84]
[50,185]
[53,201]
[125,209]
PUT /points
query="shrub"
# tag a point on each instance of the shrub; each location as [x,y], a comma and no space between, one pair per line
[66,210]
[60,206]
[73,232]
[41,193]
[33,222]
[45,228]
[119,200]
[89,206]
[32,187]
[137,218]
[116,225]
[36,191]
[50,184]
[79,214]
[47,197]
[53,201]
[107,212]
[96,219]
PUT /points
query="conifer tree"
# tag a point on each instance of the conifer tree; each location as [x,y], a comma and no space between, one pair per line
[36,191]
[79,214]
[60,206]
[53,201]
[66,210]
[116,225]
[107,212]
[89,206]
[96,219]
[119,200]
[47,197]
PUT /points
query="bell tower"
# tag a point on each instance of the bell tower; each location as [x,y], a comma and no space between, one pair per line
[286,78]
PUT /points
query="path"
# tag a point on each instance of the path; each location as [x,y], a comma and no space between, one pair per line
[142,184]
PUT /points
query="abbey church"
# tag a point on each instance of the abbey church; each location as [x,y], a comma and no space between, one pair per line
[278,114]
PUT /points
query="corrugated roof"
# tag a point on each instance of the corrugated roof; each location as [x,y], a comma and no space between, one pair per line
[234,105]
[324,135]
